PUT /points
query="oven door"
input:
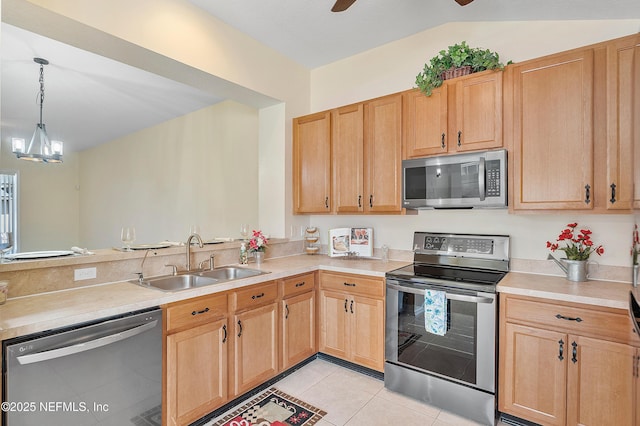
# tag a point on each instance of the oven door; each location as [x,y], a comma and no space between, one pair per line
[464,354]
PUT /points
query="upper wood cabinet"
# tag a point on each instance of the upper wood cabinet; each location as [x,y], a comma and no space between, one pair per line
[347,129]
[383,154]
[312,163]
[551,130]
[464,114]
[364,147]
[572,126]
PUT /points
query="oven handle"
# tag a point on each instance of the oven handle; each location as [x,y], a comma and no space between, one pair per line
[450,296]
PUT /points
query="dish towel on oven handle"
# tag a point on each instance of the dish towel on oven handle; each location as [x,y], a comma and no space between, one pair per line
[435,312]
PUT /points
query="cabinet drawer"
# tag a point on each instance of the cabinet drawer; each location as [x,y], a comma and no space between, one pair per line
[354,284]
[193,312]
[298,284]
[592,321]
[253,296]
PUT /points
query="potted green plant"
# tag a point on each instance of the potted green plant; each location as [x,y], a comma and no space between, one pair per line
[457,60]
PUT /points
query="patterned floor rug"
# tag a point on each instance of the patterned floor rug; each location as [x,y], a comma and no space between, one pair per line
[272,408]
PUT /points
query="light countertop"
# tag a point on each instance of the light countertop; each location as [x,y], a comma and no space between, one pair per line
[592,292]
[30,314]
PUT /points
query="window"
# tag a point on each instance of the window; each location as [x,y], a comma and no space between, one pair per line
[9,205]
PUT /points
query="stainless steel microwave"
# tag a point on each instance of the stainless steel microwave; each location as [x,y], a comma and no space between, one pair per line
[470,180]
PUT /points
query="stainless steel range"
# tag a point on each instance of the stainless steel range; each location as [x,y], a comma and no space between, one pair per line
[441,323]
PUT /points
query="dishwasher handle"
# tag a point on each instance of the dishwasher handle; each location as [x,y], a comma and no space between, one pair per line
[86,346]
[450,296]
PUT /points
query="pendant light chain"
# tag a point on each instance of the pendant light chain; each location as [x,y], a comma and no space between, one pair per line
[41,90]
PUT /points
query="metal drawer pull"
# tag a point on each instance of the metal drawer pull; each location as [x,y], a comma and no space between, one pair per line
[345,305]
[224,328]
[459,137]
[257,296]
[442,141]
[286,308]
[562,317]
[574,352]
[613,193]
[561,350]
[240,325]
[351,306]
[587,193]
[350,284]
[204,311]
[300,284]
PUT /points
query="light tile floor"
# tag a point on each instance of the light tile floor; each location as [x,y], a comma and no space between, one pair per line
[353,399]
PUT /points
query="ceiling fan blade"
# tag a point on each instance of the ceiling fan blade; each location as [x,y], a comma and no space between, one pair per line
[463,2]
[342,5]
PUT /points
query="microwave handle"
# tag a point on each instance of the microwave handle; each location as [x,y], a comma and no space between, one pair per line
[482,177]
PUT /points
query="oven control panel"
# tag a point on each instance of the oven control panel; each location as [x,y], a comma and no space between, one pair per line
[482,246]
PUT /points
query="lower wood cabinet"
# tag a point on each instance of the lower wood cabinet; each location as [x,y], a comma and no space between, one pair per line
[559,367]
[352,318]
[195,359]
[254,357]
[298,320]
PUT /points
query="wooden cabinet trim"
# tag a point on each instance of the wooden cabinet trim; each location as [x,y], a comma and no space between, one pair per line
[353,284]
[192,312]
[253,296]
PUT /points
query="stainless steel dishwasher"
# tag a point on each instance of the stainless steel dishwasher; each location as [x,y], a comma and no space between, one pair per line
[106,372]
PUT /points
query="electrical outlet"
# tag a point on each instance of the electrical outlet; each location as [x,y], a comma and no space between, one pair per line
[84,274]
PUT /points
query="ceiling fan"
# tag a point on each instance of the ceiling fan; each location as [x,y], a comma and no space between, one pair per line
[342,5]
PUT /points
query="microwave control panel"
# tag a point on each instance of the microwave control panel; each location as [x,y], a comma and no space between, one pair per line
[493,178]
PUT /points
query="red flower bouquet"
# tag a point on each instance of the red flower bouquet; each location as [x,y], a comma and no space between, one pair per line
[578,244]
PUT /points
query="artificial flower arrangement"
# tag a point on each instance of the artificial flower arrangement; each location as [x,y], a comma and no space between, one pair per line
[258,242]
[579,245]
[635,247]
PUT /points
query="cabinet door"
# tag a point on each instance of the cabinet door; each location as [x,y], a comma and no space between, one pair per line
[312,163]
[298,329]
[425,123]
[533,374]
[552,132]
[347,152]
[620,123]
[478,112]
[196,372]
[383,154]
[367,332]
[255,354]
[334,324]
[600,382]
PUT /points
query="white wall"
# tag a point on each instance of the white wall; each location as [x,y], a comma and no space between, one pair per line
[48,201]
[393,67]
[199,169]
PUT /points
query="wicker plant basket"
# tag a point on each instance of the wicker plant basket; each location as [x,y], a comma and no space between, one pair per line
[456,72]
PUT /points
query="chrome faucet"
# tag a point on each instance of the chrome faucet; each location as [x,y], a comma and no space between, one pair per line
[199,240]
[141,273]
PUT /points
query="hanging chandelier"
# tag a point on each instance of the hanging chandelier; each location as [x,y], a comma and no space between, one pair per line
[40,149]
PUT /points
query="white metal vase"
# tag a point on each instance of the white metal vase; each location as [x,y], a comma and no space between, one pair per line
[576,270]
[259,256]
[634,275]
